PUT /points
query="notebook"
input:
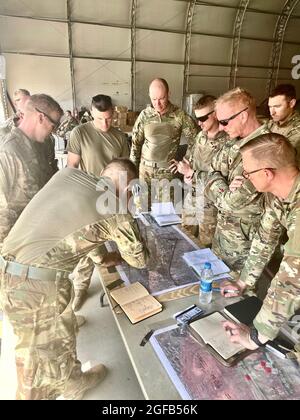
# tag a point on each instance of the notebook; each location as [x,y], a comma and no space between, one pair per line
[212,332]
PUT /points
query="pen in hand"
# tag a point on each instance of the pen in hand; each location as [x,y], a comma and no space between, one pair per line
[218,289]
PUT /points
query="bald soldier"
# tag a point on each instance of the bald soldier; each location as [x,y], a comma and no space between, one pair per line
[285,119]
[23,171]
[91,147]
[239,204]
[156,136]
[37,259]
[270,164]
[47,148]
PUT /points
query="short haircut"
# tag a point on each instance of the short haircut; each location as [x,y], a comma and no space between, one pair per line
[240,96]
[24,92]
[274,150]
[204,101]
[122,164]
[163,82]
[286,90]
[102,103]
[44,103]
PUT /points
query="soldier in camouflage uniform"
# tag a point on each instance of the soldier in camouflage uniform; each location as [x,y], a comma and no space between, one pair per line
[239,204]
[23,170]
[92,146]
[66,127]
[200,215]
[45,149]
[270,164]
[285,119]
[37,258]
[156,138]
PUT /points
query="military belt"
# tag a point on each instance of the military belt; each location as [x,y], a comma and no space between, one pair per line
[34,273]
[154,164]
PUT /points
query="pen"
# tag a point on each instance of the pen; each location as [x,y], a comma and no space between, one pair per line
[218,289]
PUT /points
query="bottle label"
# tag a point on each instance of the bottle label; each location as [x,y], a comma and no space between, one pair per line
[206,286]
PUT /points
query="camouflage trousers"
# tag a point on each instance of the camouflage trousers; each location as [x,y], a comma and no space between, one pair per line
[158,185]
[45,327]
[84,270]
[233,238]
[199,217]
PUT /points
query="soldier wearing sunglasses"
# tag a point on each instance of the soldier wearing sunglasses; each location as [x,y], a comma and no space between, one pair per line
[47,148]
[200,215]
[23,167]
[239,204]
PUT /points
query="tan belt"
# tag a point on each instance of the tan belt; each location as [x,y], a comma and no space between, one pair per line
[154,164]
[34,273]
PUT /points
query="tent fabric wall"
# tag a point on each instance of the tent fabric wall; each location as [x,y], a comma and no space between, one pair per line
[226,42]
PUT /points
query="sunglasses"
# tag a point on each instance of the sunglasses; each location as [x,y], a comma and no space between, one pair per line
[53,122]
[246,174]
[226,121]
[204,117]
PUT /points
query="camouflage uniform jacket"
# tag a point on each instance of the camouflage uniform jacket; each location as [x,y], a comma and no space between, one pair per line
[66,126]
[245,202]
[69,236]
[283,297]
[8,125]
[46,149]
[180,120]
[290,129]
[22,174]
[202,152]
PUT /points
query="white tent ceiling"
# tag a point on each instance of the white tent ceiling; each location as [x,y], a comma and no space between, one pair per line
[73,50]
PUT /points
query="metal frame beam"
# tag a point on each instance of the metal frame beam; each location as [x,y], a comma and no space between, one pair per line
[70,39]
[223,6]
[146,28]
[238,24]
[139,60]
[133,54]
[276,52]
[187,50]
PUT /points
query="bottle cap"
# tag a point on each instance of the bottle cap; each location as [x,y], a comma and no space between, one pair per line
[207,265]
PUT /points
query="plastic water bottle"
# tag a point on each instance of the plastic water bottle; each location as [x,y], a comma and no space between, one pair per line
[205,289]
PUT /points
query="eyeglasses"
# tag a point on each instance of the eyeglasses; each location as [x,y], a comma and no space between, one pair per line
[204,117]
[246,174]
[53,122]
[226,121]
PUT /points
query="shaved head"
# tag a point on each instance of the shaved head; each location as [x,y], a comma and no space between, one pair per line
[159,95]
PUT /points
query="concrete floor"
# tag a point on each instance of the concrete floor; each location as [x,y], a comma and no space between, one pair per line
[98,341]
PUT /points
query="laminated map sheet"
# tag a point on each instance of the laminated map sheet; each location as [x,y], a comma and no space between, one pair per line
[197,375]
[166,270]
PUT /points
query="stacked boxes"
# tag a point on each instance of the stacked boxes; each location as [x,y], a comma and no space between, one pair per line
[124,119]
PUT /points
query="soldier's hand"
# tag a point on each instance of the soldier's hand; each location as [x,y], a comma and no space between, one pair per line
[173,166]
[230,289]
[239,333]
[184,168]
[236,183]
[111,259]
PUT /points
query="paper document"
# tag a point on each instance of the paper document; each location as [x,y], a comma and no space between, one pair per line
[197,259]
[164,214]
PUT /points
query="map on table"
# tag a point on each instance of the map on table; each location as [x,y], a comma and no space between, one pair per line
[196,374]
[166,268]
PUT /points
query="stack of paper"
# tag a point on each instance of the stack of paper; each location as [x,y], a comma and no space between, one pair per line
[196,260]
[164,214]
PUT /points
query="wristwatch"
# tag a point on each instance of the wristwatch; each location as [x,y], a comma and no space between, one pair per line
[254,337]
